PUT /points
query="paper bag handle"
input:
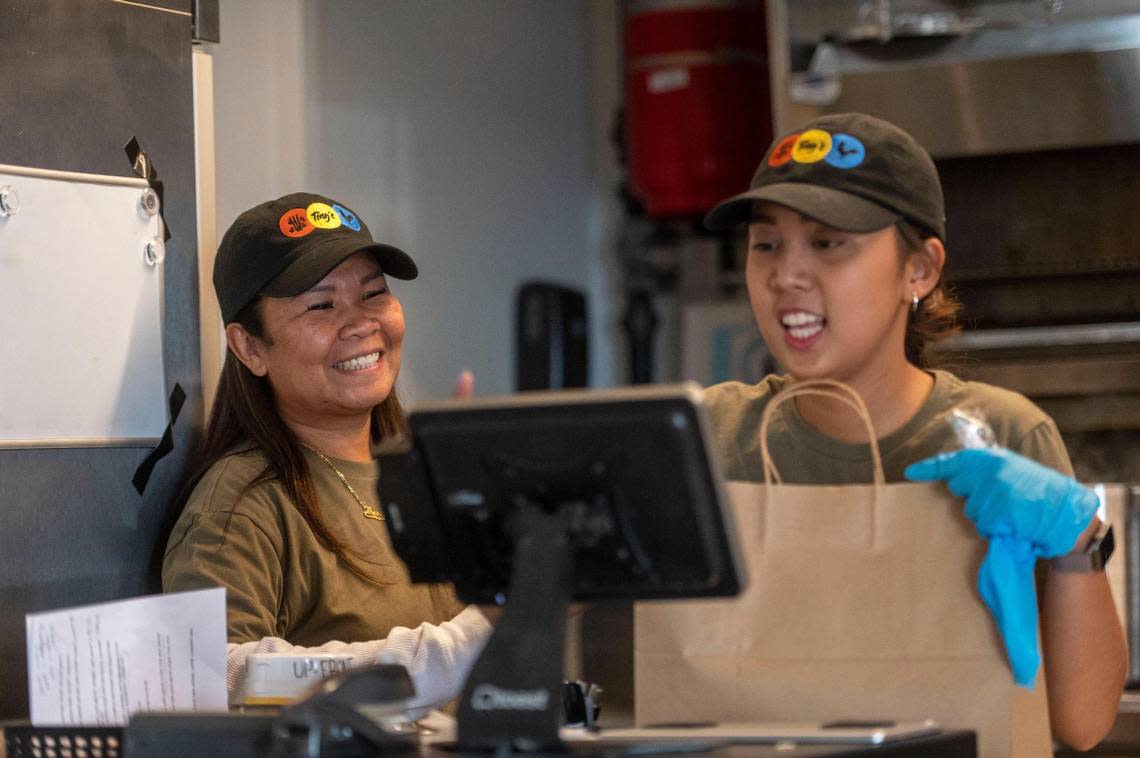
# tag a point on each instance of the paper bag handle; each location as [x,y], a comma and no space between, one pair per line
[820,388]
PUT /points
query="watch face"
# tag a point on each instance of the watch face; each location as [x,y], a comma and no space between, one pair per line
[1106,545]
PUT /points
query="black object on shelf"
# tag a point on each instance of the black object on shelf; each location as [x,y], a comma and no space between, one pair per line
[551,343]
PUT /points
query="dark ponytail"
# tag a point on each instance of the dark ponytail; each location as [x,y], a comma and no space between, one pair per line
[937,315]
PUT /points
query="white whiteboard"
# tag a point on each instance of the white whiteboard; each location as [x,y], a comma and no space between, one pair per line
[80,312]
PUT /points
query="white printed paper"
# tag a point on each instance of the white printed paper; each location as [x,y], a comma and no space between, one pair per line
[95,665]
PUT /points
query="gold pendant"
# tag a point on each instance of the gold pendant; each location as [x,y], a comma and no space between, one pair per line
[372,513]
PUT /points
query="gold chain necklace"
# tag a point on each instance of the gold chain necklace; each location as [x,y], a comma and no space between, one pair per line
[369,511]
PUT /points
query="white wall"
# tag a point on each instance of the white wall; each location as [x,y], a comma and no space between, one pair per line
[604,94]
[458,129]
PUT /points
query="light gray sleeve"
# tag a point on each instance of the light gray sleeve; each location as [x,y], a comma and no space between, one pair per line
[437,657]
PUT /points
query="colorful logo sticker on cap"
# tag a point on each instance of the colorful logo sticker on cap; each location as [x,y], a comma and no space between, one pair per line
[811,146]
[347,217]
[295,223]
[846,151]
[782,152]
[323,216]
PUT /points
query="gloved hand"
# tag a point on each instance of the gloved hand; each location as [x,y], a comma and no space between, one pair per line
[1026,511]
[1010,495]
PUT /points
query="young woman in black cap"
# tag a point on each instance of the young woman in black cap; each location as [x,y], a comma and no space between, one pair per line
[845,230]
[282,508]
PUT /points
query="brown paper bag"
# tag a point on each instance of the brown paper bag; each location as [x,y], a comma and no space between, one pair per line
[861,605]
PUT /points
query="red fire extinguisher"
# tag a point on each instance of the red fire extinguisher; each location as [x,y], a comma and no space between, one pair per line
[698,112]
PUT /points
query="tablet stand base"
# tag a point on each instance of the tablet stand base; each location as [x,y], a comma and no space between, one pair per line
[513,695]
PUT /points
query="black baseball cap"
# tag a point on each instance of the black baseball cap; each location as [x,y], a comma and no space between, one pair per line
[283,247]
[850,171]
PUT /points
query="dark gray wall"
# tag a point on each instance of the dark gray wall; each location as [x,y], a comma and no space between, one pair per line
[79,78]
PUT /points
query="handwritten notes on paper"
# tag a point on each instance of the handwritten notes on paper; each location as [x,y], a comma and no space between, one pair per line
[95,665]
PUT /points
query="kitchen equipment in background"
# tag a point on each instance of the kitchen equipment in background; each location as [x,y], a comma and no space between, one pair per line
[721,342]
[697,108]
[640,324]
[1086,377]
[551,340]
[976,79]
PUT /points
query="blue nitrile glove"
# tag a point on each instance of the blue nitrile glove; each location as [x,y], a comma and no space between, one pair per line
[1026,511]
[1010,495]
[1006,584]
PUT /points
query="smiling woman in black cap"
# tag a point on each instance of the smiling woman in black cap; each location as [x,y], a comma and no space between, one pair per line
[845,250]
[281,509]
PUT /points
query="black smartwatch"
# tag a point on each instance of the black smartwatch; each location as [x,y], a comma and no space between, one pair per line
[1092,558]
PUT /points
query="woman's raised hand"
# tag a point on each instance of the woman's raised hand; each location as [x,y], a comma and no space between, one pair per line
[464,386]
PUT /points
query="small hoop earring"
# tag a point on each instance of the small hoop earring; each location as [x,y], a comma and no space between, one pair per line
[914,302]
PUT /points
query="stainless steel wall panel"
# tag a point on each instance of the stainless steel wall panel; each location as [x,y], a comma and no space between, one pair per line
[1011,105]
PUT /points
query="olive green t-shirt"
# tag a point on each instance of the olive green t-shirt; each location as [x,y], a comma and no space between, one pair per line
[280,580]
[804,455]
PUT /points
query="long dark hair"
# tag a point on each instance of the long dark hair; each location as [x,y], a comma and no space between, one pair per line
[937,315]
[245,417]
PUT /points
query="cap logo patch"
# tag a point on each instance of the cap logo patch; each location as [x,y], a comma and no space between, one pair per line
[347,217]
[295,223]
[837,150]
[811,146]
[846,151]
[322,216]
[782,152]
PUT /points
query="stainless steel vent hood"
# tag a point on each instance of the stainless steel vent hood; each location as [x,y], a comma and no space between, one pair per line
[971,78]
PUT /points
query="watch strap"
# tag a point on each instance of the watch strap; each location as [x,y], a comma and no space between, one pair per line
[1093,558]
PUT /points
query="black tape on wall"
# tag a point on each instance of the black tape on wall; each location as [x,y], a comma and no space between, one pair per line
[165,445]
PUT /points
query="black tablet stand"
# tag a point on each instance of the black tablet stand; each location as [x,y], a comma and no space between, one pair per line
[513,695]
